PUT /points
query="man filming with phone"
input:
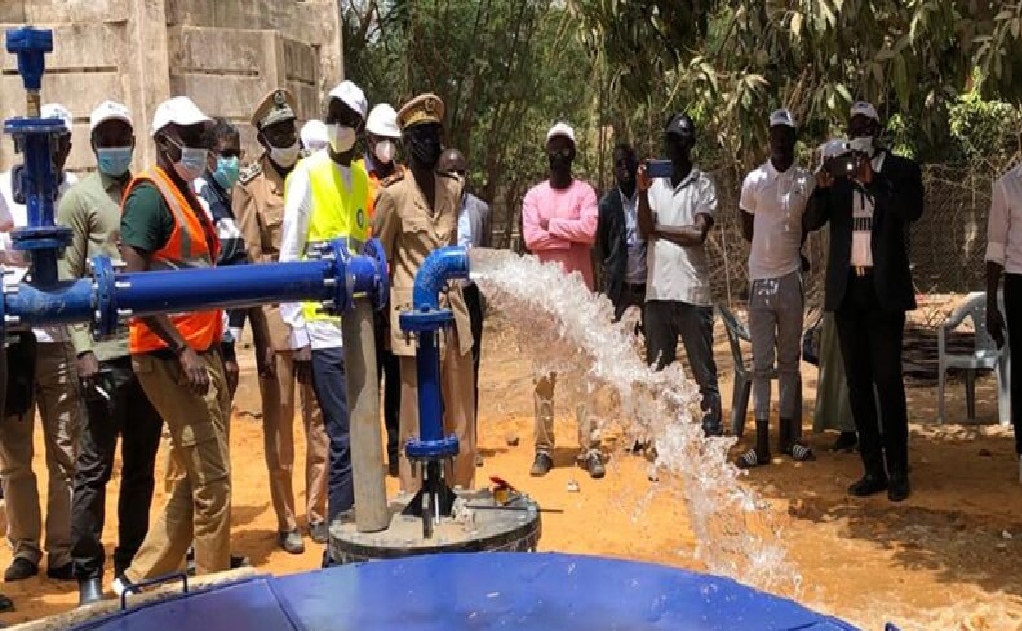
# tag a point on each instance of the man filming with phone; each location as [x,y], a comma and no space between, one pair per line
[677,203]
[870,196]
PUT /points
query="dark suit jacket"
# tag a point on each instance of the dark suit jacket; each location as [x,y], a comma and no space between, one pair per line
[898,194]
[611,243]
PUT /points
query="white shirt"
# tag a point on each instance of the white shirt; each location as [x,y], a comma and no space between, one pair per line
[1004,225]
[464,225]
[777,202]
[319,334]
[18,261]
[675,272]
[862,222]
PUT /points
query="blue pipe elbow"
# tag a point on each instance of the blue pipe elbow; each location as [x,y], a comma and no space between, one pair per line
[30,45]
[442,265]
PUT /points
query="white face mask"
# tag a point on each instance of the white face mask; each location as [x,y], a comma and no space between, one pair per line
[384,151]
[286,156]
[192,163]
[342,137]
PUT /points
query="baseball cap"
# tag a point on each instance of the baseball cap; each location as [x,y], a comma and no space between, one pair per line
[352,96]
[681,125]
[561,129]
[862,108]
[56,110]
[109,111]
[314,134]
[783,117]
[382,121]
[179,110]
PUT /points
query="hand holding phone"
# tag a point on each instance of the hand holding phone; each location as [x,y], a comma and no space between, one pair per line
[659,168]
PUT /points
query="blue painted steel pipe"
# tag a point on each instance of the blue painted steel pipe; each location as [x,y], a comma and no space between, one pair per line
[426,319]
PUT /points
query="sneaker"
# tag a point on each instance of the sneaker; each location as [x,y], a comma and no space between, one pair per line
[238,561]
[20,569]
[291,542]
[61,572]
[318,532]
[595,466]
[541,465]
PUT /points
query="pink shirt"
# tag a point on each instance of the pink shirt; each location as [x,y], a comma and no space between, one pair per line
[573,214]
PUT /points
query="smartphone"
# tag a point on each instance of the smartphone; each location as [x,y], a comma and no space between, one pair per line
[659,168]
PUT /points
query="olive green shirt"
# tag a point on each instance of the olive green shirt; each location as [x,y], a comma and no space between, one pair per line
[92,209]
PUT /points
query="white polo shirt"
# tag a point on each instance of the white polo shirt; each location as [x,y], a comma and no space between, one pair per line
[777,202]
[675,272]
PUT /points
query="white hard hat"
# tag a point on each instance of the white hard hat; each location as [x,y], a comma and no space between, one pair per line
[109,111]
[56,110]
[382,121]
[181,111]
[352,96]
[314,134]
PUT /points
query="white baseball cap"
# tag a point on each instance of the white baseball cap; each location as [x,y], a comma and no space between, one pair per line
[181,111]
[784,118]
[56,110]
[352,96]
[109,111]
[314,134]
[382,121]
[865,109]
[561,129]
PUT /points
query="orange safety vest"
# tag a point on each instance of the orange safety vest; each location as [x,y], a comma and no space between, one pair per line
[193,244]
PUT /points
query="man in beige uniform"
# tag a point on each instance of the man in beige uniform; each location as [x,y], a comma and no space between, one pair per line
[258,205]
[417,212]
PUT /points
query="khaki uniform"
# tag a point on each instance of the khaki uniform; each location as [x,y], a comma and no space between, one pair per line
[409,231]
[258,205]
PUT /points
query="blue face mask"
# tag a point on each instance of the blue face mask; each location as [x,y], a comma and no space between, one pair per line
[227,172]
[114,161]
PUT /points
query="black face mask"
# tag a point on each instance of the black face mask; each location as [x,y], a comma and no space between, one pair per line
[559,163]
[425,149]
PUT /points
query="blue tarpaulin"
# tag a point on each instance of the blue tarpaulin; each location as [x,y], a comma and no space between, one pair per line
[478,592]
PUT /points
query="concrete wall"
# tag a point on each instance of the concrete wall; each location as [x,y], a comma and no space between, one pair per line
[224,54]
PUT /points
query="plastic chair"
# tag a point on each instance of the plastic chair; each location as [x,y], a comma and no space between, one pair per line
[736,332]
[985,356]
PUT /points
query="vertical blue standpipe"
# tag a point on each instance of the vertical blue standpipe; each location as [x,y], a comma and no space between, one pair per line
[425,320]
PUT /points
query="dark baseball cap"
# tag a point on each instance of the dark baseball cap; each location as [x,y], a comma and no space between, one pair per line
[681,125]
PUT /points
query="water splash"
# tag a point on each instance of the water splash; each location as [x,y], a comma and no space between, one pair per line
[568,329]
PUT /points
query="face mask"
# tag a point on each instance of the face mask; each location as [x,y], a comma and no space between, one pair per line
[559,163]
[863,144]
[192,163]
[342,137]
[227,172]
[286,156]
[384,151]
[114,161]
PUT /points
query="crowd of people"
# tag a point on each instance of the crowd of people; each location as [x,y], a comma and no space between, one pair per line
[199,206]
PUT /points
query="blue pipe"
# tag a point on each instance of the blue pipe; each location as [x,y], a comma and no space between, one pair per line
[442,265]
[426,319]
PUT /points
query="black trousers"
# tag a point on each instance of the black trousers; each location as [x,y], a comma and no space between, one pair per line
[474,303]
[870,338]
[1013,318]
[129,414]
[331,387]
[388,372]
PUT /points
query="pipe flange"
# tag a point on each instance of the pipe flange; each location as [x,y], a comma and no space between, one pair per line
[420,450]
[381,279]
[425,320]
[105,318]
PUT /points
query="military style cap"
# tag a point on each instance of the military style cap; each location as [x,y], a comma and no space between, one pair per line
[275,107]
[425,108]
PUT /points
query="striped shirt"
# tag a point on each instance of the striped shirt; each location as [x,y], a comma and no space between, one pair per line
[217,204]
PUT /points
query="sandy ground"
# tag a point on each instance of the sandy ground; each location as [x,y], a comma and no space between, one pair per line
[954,544]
